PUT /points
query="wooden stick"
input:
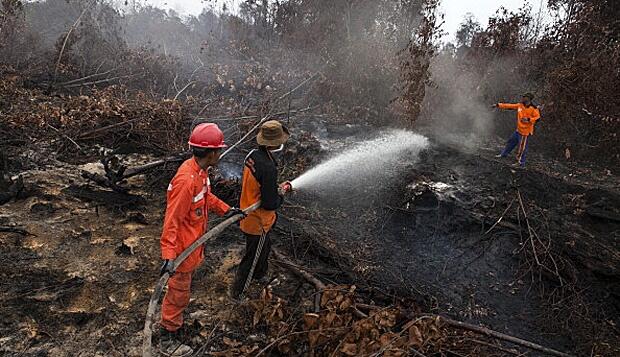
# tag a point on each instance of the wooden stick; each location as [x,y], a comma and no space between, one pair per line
[502,336]
[100,81]
[500,218]
[267,117]
[87,77]
[64,44]
[319,285]
[183,90]
[304,274]
[529,228]
[65,136]
[87,134]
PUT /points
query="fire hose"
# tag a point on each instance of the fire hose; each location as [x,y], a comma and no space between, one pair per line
[163,280]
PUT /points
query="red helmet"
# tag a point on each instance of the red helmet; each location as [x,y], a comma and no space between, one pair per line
[207,135]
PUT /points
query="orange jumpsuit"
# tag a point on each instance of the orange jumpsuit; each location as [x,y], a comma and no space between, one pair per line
[189,198]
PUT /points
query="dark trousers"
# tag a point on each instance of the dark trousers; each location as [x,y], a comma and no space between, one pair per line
[251,245]
[515,140]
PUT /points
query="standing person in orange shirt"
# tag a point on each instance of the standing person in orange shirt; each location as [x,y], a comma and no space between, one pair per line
[189,198]
[260,176]
[527,115]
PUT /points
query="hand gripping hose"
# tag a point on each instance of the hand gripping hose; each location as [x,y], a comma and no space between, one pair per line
[212,233]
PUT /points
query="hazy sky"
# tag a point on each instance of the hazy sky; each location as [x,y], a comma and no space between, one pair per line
[454,10]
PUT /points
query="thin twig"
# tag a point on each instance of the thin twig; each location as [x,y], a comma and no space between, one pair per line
[529,228]
[183,89]
[297,333]
[500,218]
[64,44]
[267,117]
[100,81]
[87,77]
[65,136]
[502,336]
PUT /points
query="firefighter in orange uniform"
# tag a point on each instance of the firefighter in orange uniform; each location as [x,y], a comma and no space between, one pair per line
[527,115]
[189,198]
[260,175]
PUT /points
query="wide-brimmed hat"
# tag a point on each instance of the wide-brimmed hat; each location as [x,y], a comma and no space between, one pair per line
[528,95]
[272,133]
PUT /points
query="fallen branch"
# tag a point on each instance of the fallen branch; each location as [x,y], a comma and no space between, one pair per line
[500,218]
[66,137]
[99,81]
[113,177]
[502,336]
[529,228]
[319,285]
[87,77]
[87,135]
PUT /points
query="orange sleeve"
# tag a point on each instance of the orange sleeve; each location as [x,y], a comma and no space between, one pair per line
[216,205]
[508,106]
[177,209]
[536,116]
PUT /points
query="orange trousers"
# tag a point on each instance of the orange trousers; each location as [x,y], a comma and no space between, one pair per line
[176,300]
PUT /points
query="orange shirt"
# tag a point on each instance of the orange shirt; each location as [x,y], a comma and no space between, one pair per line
[189,198]
[532,113]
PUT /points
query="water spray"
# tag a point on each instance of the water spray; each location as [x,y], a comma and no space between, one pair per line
[371,159]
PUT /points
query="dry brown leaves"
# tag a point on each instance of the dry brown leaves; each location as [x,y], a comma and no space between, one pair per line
[108,117]
[336,330]
[235,348]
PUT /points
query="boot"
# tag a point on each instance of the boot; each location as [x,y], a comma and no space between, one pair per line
[169,345]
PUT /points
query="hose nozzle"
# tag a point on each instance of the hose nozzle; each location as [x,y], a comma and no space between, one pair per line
[285,187]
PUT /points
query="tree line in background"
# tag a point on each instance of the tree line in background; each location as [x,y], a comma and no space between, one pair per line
[570,63]
[379,60]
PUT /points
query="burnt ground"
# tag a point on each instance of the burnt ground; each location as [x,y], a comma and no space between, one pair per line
[432,234]
[78,279]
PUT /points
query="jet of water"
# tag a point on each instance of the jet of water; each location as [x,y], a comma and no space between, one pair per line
[368,160]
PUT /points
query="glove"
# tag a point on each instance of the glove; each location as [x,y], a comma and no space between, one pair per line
[494,106]
[233,211]
[166,267]
[285,187]
[525,120]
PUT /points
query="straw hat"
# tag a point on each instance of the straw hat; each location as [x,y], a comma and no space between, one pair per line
[272,133]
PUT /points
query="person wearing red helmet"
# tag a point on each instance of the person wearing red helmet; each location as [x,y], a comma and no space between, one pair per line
[189,198]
